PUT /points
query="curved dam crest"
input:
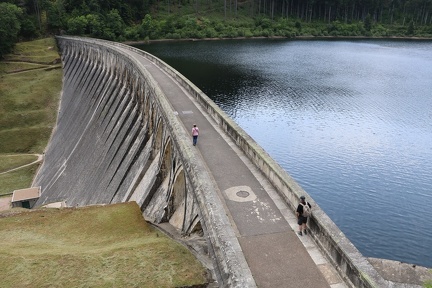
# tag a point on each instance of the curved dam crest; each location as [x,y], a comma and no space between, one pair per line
[114,142]
[118,139]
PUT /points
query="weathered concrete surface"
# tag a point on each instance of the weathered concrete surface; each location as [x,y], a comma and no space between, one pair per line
[406,275]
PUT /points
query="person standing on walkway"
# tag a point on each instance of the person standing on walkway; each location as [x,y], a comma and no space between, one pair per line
[303,212]
[195,133]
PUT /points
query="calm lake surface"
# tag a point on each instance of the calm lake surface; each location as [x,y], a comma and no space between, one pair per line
[351,121]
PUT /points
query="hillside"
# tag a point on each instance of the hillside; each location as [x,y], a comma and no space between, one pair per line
[178,19]
[30,86]
[97,246]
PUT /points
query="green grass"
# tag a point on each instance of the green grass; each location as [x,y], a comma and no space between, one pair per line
[98,246]
[25,140]
[28,108]
[18,179]
[33,90]
[37,51]
[8,162]
[13,67]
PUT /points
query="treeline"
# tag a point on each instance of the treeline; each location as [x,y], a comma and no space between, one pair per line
[157,19]
[383,11]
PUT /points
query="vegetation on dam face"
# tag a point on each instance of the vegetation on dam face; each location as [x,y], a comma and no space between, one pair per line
[178,19]
[97,246]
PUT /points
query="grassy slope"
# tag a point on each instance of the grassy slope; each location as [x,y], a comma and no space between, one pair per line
[11,161]
[29,95]
[98,246]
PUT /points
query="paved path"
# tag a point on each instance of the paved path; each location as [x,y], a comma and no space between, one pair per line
[265,227]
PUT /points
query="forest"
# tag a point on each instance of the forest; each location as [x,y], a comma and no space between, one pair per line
[143,20]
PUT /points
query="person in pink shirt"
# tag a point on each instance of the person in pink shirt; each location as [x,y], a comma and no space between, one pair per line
[195,133]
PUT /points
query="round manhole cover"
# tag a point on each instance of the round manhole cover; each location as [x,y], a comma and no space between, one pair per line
[240,194]
[243,194]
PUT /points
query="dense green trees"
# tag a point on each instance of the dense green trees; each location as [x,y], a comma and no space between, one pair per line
[383,11]
[121,20]
[108,26]
[10,26]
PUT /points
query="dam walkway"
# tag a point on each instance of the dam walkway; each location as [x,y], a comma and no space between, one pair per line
[264,225]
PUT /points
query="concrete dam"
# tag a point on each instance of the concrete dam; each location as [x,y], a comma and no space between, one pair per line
[123,134]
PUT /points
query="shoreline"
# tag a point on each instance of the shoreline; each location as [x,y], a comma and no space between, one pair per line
[398,38]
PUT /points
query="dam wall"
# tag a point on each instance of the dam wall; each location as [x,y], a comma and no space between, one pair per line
[117,139]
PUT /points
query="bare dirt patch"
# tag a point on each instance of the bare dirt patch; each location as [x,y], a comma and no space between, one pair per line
[5,203]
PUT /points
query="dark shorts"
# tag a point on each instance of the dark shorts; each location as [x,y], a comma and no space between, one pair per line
[301,220]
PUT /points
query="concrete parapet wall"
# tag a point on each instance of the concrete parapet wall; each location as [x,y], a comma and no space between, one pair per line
[117,139]
[349,262]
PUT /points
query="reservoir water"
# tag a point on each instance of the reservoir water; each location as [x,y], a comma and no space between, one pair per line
[351,121]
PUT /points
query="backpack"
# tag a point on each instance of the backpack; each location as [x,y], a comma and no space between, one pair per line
[306,210]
